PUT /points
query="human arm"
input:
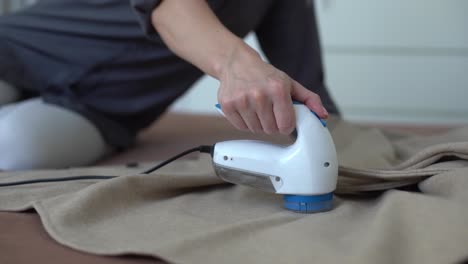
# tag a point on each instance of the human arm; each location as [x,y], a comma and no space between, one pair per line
[254,95]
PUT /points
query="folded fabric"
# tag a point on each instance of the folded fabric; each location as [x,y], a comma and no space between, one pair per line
[185,214]
[428,162]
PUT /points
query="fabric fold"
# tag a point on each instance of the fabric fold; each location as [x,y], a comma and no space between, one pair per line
[185,214]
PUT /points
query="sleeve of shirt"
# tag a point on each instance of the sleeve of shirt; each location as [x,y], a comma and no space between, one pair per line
[143,9]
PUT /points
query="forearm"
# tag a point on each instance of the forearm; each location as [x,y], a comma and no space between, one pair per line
[254,95]
[193,32]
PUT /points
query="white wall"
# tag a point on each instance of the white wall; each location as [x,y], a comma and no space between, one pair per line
[386,61]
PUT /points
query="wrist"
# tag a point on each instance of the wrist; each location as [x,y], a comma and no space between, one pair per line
[237,55]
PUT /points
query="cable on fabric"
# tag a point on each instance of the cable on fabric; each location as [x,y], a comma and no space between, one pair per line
[203,149]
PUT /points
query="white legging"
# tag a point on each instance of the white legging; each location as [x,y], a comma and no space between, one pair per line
[37,135]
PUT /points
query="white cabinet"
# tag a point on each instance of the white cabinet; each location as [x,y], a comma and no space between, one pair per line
[399,89]
[397,61]
[396,23]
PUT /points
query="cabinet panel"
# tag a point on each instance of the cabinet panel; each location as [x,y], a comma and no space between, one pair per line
[400,89]
[397,23]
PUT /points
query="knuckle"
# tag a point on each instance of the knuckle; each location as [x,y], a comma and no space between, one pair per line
[227,105]
[241,101]
[315,97]
[279,91]
[258,96]
[276,84]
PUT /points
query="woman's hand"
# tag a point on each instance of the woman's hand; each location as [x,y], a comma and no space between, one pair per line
[256,96]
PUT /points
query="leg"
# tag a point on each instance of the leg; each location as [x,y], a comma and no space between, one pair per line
[39,55]
[93,58]
[289,37]
[36,135]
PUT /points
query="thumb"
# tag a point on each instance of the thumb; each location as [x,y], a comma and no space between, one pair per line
[310,99]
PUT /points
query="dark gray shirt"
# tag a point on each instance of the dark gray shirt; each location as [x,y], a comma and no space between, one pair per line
[143,8]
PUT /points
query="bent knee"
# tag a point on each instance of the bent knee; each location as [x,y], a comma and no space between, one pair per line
[35,135]
[20,147]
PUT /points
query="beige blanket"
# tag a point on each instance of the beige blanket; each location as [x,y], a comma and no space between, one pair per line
[184,214]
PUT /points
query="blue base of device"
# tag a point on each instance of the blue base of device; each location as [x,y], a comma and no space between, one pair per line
[308,203]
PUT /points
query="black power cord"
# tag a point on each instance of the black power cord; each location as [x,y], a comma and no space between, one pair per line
[203,149]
